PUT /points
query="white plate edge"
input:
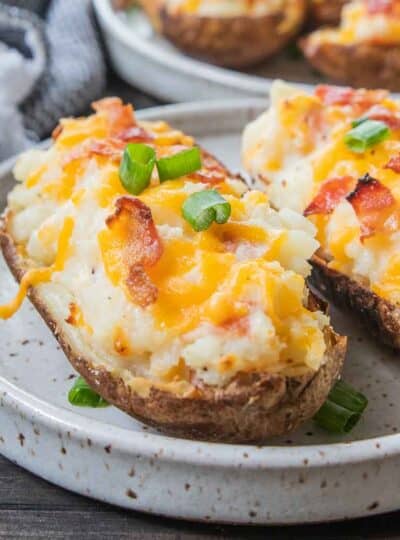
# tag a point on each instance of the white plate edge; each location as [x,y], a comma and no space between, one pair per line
[221,455]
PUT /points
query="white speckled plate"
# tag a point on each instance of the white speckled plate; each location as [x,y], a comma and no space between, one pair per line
[308,476]
[152,64]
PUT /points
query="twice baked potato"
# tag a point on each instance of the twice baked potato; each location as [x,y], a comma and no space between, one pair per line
[190,316]
[325,12]
[364,51]
[335,157]
[232,33]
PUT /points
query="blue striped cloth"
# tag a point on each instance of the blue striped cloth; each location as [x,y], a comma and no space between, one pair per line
[51,65]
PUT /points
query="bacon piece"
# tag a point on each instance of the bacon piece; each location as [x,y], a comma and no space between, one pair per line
[334,95]
[135,134]
[374,206]
[361,98]
[119,116]
[394,164]
[386,7]
[56,132]
[108,147]
[330,193]
[141,246]
[381,113]
[212,171]
[112,147]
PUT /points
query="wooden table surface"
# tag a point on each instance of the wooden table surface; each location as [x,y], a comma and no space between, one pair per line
[32,508]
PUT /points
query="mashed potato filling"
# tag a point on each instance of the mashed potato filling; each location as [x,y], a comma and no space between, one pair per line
[228,299]
[298,144]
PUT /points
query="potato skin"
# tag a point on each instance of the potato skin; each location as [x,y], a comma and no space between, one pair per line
[325,12]
[360,65]
[381,317]
[235,42]
[249,409]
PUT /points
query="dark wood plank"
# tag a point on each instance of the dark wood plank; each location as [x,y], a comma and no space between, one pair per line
[32,508]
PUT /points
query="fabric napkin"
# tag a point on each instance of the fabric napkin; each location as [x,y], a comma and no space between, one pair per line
[51,65]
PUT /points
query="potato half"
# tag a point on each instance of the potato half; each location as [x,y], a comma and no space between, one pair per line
[363,50]
[204,330]
[325,12]
[234,41]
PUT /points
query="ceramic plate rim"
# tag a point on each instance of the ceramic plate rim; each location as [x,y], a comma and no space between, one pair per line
[182,450]
[234,79]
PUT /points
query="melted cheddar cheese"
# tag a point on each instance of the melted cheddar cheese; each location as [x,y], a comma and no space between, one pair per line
[304,139]
[224,300]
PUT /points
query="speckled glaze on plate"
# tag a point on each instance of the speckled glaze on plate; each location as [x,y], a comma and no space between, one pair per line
[152,64]
[305,477]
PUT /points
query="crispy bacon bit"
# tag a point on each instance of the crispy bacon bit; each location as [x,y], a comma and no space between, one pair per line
[119,116]
[141,247]
[212,171]
[387,7]
[334,95]
[330,194]
[56,132]
[361,98]
[381,113]
[108,147]
[135,134]
[73,314]
[394,164]
[374,206]
[112,147]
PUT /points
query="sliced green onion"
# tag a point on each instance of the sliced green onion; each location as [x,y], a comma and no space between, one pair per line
[342,409]
[180,164]
[203,207]
[345,395]
[359,121]
[136,167]
[366,135]
[81,395]
[335,418]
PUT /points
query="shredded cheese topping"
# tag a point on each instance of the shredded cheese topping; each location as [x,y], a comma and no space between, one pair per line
[298,146]
[151,298]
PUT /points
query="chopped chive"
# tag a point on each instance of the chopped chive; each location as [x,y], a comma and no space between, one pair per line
[202,208]
[335,418]
[81,395]
[366,134]
[345,395]
[342,409]
[136,167]
[180,164]
[359,121]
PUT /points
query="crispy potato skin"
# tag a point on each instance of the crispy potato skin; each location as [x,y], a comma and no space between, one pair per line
[325,12]
[358,65]
[381,317]
[235,42]
[249,409]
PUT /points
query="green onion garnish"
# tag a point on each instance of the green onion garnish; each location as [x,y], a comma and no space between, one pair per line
[136,167]
[81,395]
[335,418]
[365,135]
[185,162]
[342,409]
[203,207]
[359,121]
[346,396]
